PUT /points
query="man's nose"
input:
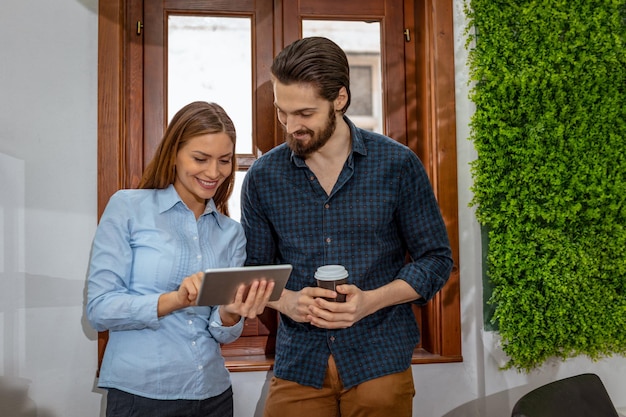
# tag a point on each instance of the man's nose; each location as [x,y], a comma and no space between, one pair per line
[292,124]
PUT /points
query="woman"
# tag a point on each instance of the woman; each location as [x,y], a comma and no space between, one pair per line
[163,355]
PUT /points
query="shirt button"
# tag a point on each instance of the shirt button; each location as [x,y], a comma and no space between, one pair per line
[193,343]
[199,367]
[195,238]
[332,338]
[199,257]
[190,322]
[327,206]
[328,240]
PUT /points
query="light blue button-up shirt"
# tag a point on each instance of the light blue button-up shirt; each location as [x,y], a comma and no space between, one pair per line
[147,242]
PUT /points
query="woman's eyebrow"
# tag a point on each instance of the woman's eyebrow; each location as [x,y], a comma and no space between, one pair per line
[197,152]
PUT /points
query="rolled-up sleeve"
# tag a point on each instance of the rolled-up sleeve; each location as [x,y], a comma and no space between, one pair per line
[425,233]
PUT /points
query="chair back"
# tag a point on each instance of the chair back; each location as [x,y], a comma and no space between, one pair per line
[577,396]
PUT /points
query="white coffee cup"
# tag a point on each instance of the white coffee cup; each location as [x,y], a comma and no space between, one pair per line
[329,276]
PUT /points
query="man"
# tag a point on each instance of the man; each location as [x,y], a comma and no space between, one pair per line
[337,194]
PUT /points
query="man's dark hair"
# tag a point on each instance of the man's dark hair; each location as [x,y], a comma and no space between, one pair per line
[315,60]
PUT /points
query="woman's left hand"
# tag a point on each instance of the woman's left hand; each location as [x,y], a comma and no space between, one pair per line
[249,302]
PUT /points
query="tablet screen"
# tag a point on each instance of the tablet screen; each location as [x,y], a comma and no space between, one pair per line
[220,285]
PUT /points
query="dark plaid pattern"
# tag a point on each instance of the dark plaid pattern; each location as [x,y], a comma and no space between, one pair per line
[381,207]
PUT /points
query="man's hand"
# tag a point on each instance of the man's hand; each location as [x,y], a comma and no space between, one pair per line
[333,315]
[296,304]
[359,304]
[308,305]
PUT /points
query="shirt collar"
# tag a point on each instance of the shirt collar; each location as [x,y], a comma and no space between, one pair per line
[168,198]
[358,145]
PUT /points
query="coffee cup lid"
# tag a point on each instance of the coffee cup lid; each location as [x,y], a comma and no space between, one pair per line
[331,272]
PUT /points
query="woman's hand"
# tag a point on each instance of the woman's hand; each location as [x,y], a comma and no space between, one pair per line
[249,302]
[185,296]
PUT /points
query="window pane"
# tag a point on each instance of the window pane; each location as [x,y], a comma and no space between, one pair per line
[361,42]
[210,59]
[234,203]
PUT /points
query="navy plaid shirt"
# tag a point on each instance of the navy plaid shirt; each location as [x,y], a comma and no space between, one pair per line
[381,207]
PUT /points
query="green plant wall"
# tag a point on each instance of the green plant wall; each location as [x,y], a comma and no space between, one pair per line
[549,85]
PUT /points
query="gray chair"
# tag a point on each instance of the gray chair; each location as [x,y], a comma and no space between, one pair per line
[577,396]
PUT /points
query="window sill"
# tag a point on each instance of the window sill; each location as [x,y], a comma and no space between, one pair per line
[253,363]
[250,363]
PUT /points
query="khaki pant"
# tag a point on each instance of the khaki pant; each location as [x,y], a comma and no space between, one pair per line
[390,395]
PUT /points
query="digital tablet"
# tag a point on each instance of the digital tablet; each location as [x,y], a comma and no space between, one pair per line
[220,285]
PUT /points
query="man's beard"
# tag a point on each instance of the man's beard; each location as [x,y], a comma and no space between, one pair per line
[316,141]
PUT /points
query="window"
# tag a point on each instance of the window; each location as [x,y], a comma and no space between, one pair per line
[362,43]
[365,110]
[415,86]
[196,47]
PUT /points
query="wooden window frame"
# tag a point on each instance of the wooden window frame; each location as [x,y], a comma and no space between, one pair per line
[431,132]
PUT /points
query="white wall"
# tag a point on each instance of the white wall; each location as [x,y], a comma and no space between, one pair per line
[48,145]
[48,122]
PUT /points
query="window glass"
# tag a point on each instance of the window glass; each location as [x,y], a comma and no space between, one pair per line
[361,42]
[210,59]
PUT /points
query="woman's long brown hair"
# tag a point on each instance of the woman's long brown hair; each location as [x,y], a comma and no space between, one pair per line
[197,118]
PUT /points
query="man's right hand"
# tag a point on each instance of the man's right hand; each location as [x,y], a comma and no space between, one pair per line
[297,304]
